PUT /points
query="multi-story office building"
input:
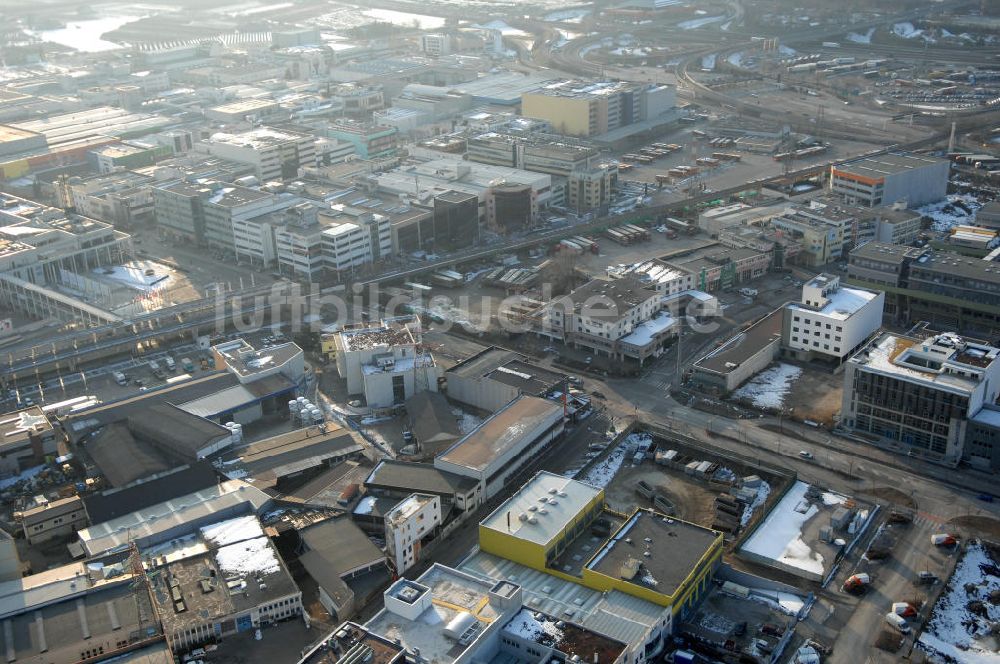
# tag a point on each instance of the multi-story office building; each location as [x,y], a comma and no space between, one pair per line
[370,141]
[359,100]
[584,108]
[890,178]
[435,44]
[891,225]
[456,220]
[717,268]
[253,111]
[589,189]
[831,321]
[37,242]
[509,198]
[308,242]
[203,212]
[274,154]
[124,199]
[354,237]
[949,290]
[822,232]
[920,393]
[530,153]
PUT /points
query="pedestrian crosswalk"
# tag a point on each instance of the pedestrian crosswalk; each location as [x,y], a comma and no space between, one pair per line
[927,519]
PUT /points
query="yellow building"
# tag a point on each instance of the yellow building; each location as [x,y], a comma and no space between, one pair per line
[328,345]
[550,523]
[570,116]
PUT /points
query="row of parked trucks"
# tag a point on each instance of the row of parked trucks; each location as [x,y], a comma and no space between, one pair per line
[577,245]
[627,234]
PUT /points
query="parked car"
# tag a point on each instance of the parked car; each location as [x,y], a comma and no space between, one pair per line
[985,497]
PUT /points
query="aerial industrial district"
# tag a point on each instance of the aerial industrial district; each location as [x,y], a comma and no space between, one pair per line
[627,332]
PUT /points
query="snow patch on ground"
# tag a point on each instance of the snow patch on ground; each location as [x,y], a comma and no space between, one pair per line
[787,50]
[234,530]
[467,422]
[784,602]
[736,59]
[906,30]
[601,474]
[779,537]
[699,22]
[769,388]
[763,491]
[953,632]
[955,210]
[24,475]
[861,39]
[708,62]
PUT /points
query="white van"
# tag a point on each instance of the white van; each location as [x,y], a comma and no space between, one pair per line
[169,361]
[120,378]
[898,621]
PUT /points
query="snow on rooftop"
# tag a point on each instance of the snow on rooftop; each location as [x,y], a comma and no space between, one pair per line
[644,333]
[988,417]
[234,530]
[134,275]
[843,302]
[779,537]
[769,388]
[254,556]
[534,627]
[366,505]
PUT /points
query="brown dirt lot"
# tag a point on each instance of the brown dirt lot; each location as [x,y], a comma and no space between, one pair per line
[693,500]
[816,395]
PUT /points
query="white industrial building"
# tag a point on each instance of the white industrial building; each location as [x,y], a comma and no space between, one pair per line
[385,361]
[890,178]
[422,181]
[274,154]
[504,443]
[831,321]
[408,525]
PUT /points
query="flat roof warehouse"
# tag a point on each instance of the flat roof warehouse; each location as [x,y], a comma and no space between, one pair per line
[500,432]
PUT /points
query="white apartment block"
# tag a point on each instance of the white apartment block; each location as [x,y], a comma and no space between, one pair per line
[832,321]
[407,525]
[616,318]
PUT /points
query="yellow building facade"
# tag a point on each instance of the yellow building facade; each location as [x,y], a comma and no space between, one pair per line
[688,557]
